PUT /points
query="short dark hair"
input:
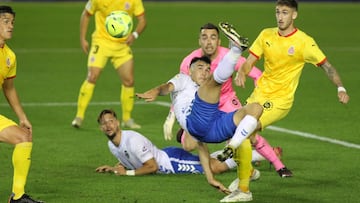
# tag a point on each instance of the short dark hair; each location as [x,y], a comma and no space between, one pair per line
[205,59]
[289,3]
[106,111]
[6,9]
[209,26]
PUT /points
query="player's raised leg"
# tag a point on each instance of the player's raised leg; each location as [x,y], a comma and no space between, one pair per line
[247,117]
[210,91]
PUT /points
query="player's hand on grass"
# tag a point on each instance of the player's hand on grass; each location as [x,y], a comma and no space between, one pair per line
[104,169]
[119,170]
[216,184]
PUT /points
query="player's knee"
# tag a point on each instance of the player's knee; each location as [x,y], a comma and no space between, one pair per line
[92,76]
[128,82]
[21,137]
[189,146]
[253,139]
[188,142]
[91,79]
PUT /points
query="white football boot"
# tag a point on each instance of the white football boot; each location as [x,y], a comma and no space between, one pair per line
[238,196]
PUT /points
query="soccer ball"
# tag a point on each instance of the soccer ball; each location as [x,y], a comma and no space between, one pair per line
[119,24]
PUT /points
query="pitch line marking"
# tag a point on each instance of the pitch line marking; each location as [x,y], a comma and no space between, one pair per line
[167,104]
[149,49]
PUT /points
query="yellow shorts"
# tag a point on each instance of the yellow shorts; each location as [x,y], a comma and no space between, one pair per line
[102,50]
[5,122]
[273,111]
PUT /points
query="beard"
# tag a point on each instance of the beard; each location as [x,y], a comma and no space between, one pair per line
[209,53]
[111,137]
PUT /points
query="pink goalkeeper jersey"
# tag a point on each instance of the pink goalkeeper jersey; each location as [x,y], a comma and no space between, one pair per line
[228,99]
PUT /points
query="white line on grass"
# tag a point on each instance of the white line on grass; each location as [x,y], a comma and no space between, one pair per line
[167,104]
[151,49]
[313,136]
[78,50]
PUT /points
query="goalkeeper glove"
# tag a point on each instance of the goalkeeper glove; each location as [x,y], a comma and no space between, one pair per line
[168,125]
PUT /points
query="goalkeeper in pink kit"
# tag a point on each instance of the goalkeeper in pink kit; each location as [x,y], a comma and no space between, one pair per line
[209,41]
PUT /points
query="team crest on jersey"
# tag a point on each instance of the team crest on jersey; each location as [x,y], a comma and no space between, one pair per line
[291,50]
[268,105]
[144,149]
[235,102]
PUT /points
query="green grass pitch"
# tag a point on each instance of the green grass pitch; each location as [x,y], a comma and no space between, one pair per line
[51,68]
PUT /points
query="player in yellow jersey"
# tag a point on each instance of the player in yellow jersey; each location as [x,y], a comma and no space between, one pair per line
[285,49]
[105,47]
[18,135]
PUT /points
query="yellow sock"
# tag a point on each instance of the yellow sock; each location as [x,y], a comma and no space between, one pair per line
[21,162]
[243,156]
[85,95]
[127,101]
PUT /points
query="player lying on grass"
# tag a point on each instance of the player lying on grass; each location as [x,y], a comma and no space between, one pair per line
[195,99]
[137,155]
[154,157]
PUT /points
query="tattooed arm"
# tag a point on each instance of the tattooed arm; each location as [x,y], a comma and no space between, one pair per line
[333,75]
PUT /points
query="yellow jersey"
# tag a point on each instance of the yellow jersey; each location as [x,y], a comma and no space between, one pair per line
[7,64]
[102,8]
[284,59]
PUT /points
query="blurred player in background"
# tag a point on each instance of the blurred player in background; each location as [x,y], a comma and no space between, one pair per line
[105,47]
[209,41]
[137,155]
[18,135]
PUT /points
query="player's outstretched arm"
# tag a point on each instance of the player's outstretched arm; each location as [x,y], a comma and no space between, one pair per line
[205,163]
[151,95]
